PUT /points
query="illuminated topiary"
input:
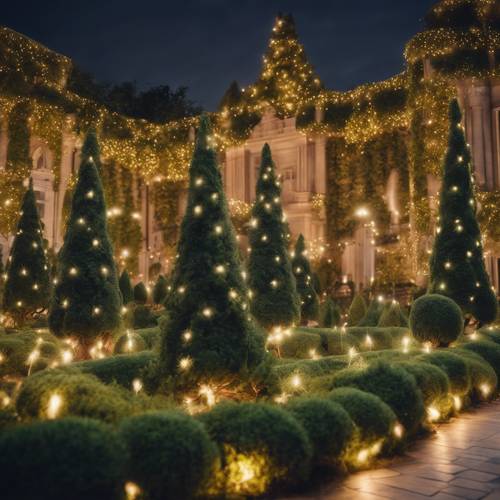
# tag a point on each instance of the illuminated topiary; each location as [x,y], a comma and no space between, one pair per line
[140,293]
[126,287]
[489,351]
[129,342]
[393,316]
[329,314]
[436,319]
[357,310]
[160,290]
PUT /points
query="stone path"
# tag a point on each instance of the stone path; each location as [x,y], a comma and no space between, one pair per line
[462,460]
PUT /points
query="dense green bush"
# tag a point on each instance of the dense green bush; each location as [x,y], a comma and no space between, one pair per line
[374,419]
[329,314]
[337,340]
[357,310]
[80,395]
[392,315]
[129,342]
[271,437]
[170,454]
[454,366]
[328,426]
[144,317]
[491,333]
[140,293]
[437,319]
[72,458]
[302,344]
[393,385]
[489,351]
[373,313]
[150,336]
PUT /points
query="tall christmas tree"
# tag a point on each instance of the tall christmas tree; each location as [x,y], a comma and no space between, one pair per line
[27,285]
[126,287]
[209,334]
[87,300]
[457,263]
[309,301]
[287,78]
[275,300]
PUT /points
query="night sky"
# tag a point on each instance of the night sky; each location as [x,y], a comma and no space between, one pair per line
[205,44]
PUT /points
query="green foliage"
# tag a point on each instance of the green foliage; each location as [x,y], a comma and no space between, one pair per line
[261,428]
[357,310]
[330,314]
[336,115]
[338,340]
[309,308]
[81,395]
[393,316]
[393,385]
[374,419]
[275,300]
[86,302]
[129,342]
[457,262]
[170,455]
[160,290]
[72,457]
[143,317]
[126,287]
[150,336]
[140,293]
[328,427]
[454,366]
[373,314]
[302,344]
[27,287]
[489,351]
[436,319]
[209,296]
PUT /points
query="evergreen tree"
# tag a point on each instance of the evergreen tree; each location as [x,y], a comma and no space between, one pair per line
[287,78]
[275,299]
[373,313]
[160,290]
[457,267]
[329,314]
[140,293]
[357,310]
[392,315]
[126,287]
[87,302]
[208,331]
[27,285]
[91,149]
[309,309]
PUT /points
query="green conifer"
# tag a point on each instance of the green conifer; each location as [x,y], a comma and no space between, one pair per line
[126,287]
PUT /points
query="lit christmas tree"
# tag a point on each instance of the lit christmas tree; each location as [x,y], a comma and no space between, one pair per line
[87,299]
[457,263]
[209,334]
[275,301]
[309,301]
[27,278]
[287,78]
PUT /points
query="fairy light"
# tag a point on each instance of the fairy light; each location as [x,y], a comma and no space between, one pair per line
[433,414]
[137,385]
[398,431]
[207,312]
[198,210]
[457,403]
[54,406]
[208,393]
[185,363]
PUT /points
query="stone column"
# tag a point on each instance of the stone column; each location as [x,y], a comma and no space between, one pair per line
[4,140]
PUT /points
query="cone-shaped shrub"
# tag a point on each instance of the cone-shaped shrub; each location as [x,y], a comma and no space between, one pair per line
[329,314]
[126,287]
[357,310]
[309,303]
[457,262]
[275,300]
[393,316]
[209,332]
[87,301]
[140,293]
[27,285]
[373,313]
[160,290]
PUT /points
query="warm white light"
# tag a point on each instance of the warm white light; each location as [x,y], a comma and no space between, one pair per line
[398,431]
[207,312]
[185,363]
[433,414]
[198,209]
[137,385]
[54,406]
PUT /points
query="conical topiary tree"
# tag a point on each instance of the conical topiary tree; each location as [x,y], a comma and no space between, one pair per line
[373,313]
[208,334]
[160,290]
[457,267]
[126,287]
[27,278]
[301,268]
[140,293]
[87,301]
[392,315]
[330,314]
[357,310]
[275,301]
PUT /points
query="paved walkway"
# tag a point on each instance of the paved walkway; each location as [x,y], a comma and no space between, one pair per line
[462,460]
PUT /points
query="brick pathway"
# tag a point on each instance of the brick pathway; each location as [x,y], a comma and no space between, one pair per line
[462,460]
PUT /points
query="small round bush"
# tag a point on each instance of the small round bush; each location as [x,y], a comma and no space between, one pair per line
[140,293]
[374,419]
[437,319]
[328,426]
[489,351]
[170,454]
[393,385]
[454,366]
[80,395]
[266,437]
[129,342]
[60,459]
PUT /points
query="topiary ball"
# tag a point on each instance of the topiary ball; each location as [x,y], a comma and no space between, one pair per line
[328,426]
[437,319]
[489,351]
[170,454]
[266,439]
[129,342]
[60,459]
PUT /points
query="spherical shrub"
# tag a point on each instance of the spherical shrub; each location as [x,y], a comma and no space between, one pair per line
[129,342]
[264,438]
[454,366]
[328,426]
[56,460]
[79,395]
[170,454]
[489,351]
[437,319]
[393,385]
[374,419]
[140,293]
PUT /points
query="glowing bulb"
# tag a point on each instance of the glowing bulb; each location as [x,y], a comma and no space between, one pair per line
[67,357]
[54,406]
[485,389]
[90,194]
[187,336]
[137,385]
[185,363]
[73,271]
[207,312]
[433,414]
[220,269]
[198,209]
[363,456]
[218,229]
[457,403]
[398,431]
[296,381]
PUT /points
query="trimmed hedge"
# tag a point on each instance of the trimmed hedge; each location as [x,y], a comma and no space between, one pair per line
[337,341]
[302,344]
[328,426]
[393,385]
[489,351]
[150,336]
[264,435]
[56,460]
[170,454]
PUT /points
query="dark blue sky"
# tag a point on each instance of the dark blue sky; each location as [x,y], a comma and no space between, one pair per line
[205,44]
